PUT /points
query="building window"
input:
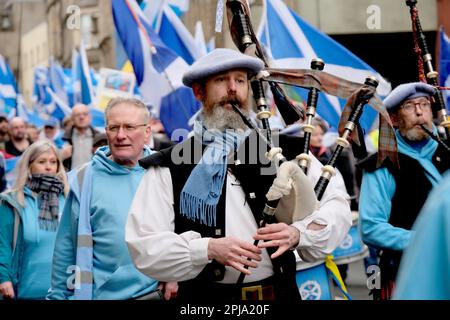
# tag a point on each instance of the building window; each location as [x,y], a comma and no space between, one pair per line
[6,21]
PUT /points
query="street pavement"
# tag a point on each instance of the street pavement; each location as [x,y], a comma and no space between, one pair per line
[356,282]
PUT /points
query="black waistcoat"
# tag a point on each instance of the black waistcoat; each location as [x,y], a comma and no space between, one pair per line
[411,191]
[254,174]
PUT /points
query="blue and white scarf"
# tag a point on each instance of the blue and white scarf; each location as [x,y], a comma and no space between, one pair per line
[203,189]
[85,253]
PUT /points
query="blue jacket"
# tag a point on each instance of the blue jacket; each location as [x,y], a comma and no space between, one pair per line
[114,275]
[11,261]
[377,190]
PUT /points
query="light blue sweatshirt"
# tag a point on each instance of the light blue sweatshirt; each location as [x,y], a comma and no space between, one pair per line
[114,275]
[424,270]
[28,267]
[377,190]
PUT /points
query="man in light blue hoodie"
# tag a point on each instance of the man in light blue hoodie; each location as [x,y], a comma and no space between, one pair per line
[91,259]
[392,196]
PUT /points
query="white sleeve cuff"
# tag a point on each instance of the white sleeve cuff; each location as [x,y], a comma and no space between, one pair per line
[199,251]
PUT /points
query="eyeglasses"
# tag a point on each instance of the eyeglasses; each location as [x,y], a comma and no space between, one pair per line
[410,106]
[127,128]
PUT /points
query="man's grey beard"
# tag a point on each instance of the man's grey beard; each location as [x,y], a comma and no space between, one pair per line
[221,119]
[415,135]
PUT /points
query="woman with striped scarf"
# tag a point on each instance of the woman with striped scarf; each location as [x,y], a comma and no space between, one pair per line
[29,218]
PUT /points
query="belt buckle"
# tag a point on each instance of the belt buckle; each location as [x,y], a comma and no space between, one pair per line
[252,289]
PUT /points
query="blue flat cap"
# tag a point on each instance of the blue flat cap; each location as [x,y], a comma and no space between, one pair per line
[407,91]
[220,60]
[51,122]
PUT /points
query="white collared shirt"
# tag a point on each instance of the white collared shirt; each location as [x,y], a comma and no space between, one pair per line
[160,253]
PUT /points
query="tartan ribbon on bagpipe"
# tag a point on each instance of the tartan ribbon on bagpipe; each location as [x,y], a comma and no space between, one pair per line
[417,50]
[345,89]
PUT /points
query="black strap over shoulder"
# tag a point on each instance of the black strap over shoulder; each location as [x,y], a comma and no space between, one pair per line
[369,164]
[159,158]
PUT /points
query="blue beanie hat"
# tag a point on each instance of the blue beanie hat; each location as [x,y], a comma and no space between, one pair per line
[220,60]
[407,91]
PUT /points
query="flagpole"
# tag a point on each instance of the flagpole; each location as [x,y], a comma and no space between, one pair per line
[19,53]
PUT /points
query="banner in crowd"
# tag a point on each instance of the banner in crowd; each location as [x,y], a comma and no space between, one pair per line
[114,83]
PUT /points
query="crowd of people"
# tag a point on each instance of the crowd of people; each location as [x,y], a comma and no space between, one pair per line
[127,214]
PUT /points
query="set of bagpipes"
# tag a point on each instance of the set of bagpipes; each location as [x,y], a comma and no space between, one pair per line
[425,62]
[292,174]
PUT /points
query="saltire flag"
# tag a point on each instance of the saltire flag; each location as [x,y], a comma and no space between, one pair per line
[199,37]
[444,64]
[58,91]
[157,68]
[152,7]
[41,98]
[84,82]
[58,80]
[59,109]
[83,87]
[292,43]
[174,34]
[46,103]
[82,78]
[11,100]
[8,88]
[76,83]
[11,170]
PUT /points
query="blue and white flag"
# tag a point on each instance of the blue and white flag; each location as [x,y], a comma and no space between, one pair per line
[58,88]
[84,83]
[76,83]
[46,102]
[58,80]
[293,43]
[41,98]
[444,64]
[8,88]
[30,117]
[199,37]
[82,78]
[157,68]
[153,7]
[174,34]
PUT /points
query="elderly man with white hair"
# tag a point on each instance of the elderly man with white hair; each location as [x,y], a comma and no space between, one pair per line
[197,210]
